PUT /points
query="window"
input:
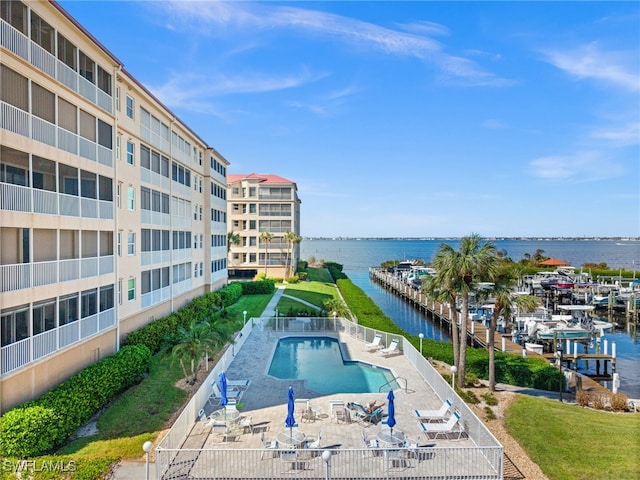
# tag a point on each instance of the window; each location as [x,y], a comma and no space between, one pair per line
[44,317]
[252,241]
[131,289]
[15,14]
[15,325]
[43,103]
[252,208]
[130,153]
[119,291]
[42,33]
[88,303]
[68,309]
[118,138]
[131,243]
[104,80]
[131,198]
[104,134]
[252,224]
[14,88]
[130,106]
[117,99]
[87,67]
[118,188]
[106,298]
[252,191]
[67,115]
[119,245]
[201,240]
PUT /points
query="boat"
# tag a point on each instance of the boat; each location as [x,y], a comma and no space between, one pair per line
[574,324]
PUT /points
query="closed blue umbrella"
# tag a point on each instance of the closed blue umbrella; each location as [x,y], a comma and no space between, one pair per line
[391,411]
[290,421]
[222,383]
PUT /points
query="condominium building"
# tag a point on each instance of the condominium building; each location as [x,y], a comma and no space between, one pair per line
[262,210]
[112,210]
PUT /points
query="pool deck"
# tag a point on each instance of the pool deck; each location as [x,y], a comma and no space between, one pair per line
[265,400]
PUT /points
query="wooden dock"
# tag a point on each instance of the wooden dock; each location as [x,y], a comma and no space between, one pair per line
[477,332]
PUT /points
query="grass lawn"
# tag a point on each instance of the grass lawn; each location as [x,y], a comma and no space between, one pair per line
[320,275]
[574,443]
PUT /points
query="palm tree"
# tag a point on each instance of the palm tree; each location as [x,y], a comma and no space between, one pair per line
[266,237]
[290,238]
[503,306]
[191,345]
[232,239]
[296,241]
[336,305]
[477,260]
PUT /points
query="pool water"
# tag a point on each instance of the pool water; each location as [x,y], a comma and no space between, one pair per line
[318,361]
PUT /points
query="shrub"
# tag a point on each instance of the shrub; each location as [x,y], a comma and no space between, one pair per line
[618,402]
[583,398]
[302,276]
[598,401]
[293,279]
[489,413]
[259,287]
[489,398]
[37,427]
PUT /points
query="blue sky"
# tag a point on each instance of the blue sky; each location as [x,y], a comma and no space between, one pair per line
[408,119]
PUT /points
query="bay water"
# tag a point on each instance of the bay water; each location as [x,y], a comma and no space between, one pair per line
[357,256]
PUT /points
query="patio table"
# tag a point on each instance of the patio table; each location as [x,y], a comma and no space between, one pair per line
[295,438]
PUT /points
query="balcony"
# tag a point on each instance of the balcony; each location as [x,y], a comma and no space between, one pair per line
[32,200]
[23,123]
[23,47]
[19,354]
[26,275]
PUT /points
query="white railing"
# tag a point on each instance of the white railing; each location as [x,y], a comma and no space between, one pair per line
[105,156]
[181,254]
[14,277]
[105,265]
[69,333]
[156,296]
[15,197]
[43,60]
[45,202]
[45,273]
[13,40]
[69,269]
[86,89]
[88,326]
[153,178]
[15,355]
[43,131]
[44,343]
[67,141]
[13,119]
[104,100]
[155,257]
[67,75]
[181,287]
[107,319]
[18,354]
[88,149]
[89,207]
[106,209]
[89,267]
[69,205]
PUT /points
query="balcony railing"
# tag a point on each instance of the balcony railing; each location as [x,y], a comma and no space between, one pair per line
[24,199]
[18,43]
[26,275]
[19,354]
[155,297]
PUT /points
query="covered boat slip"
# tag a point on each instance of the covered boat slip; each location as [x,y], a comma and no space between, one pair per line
[193,449]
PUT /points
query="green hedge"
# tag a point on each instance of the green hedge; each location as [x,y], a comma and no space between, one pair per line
[38,426]
[259,287]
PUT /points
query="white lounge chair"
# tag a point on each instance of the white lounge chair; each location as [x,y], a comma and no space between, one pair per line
[390,350]
[268,445]
[434,430]
[375,344]
[233,395]
[435,414]
[238,384]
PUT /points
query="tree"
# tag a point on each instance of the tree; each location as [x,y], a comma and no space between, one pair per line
[336,305]
[191,345]
[232,239]
[266,237]
[292,239]
[504,304]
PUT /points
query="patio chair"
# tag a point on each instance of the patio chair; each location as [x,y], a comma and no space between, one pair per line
[203,421]
[314,443]
[295,461]
[396,459]
[216,395]
[451,426]
[245,423]
[434,414]
[238,384]
[374,344]
[271,445]
[369,443]
[363,414]
[391,349]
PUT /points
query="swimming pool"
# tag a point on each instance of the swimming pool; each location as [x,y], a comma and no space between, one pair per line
[318,360]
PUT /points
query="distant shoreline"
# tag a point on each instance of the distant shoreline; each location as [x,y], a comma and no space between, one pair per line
[532,239]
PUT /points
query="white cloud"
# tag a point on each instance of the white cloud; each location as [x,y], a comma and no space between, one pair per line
[582,167]
[492,123]
[590,61]
[216,18]
[623,135]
